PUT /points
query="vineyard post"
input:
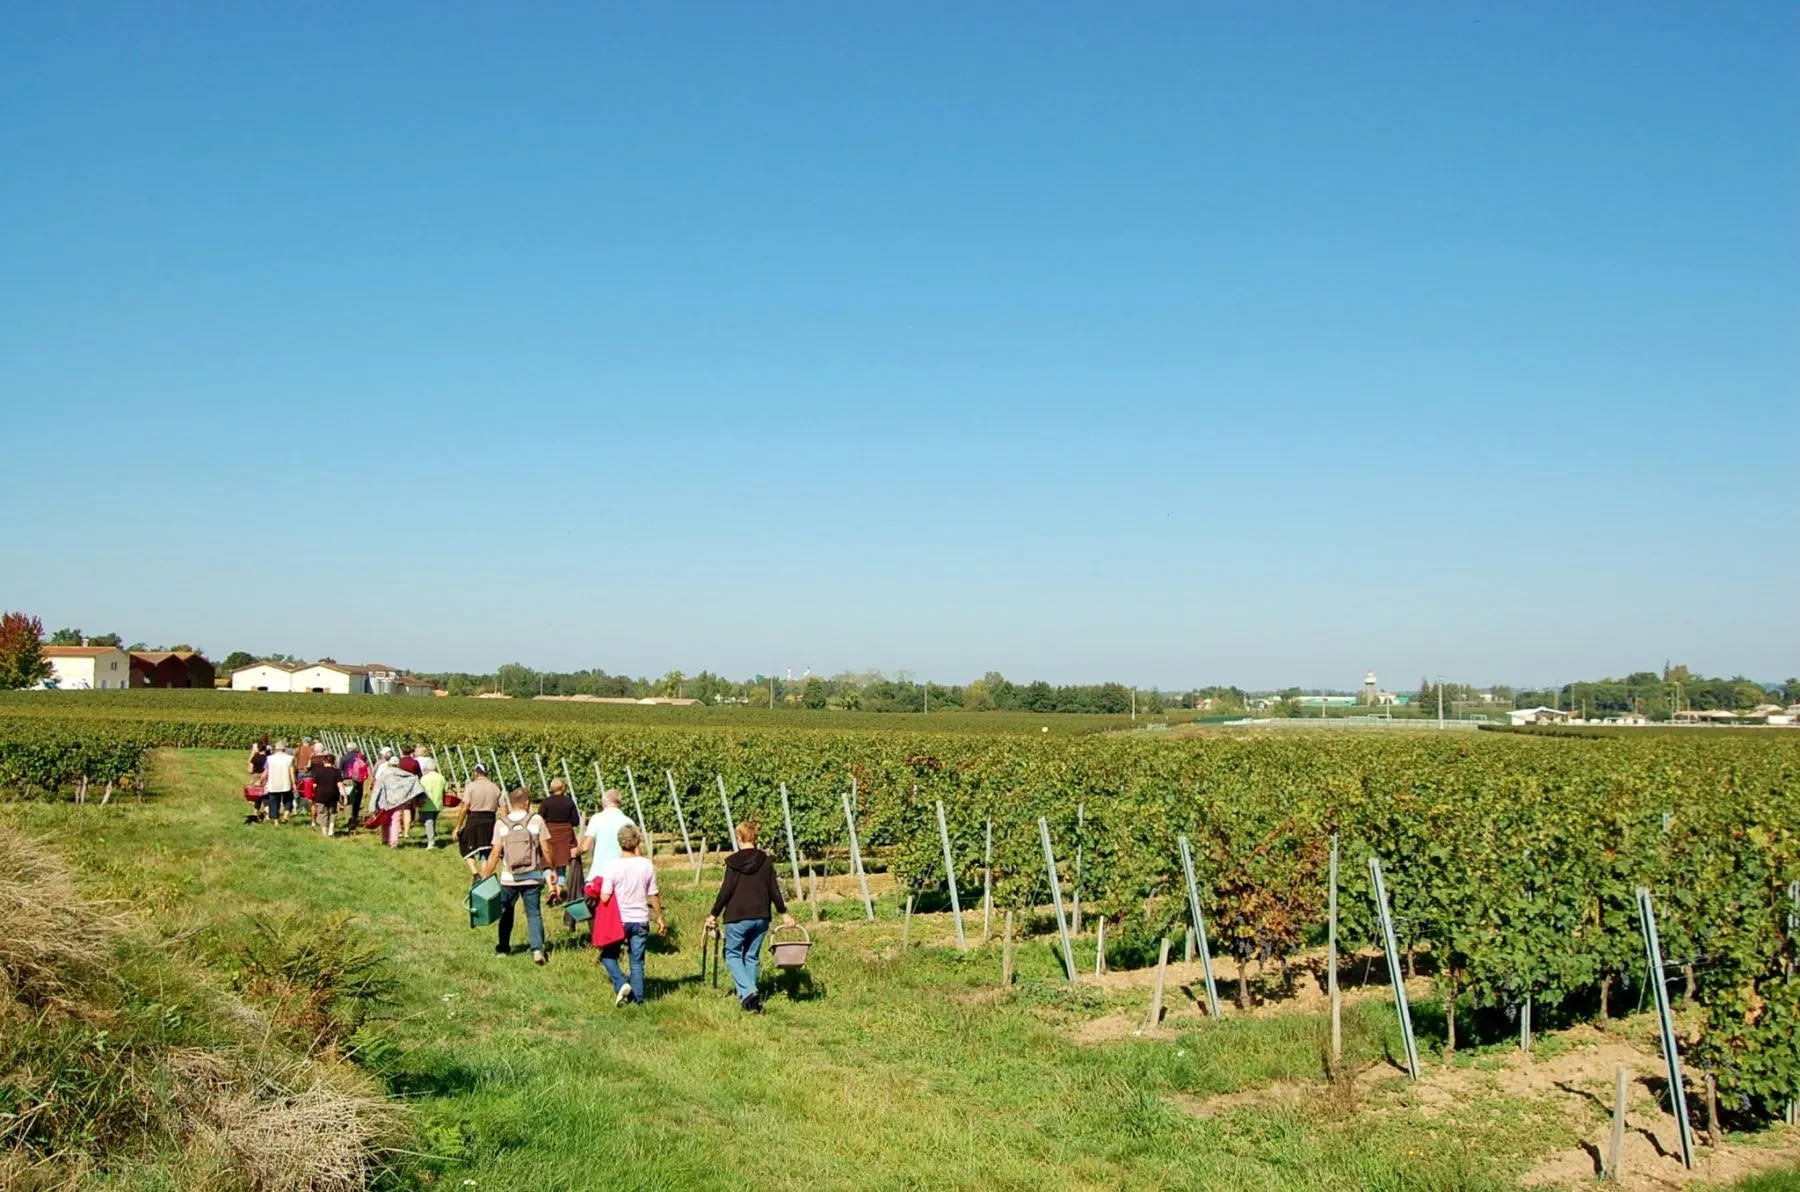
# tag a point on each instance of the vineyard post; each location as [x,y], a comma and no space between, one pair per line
[543,778]
[730,824]
[1401,1008]
[463,758]
[962,944]
[1199,936]
[1100,948]
[1075,900]
[1062,924]
[637,805]
[787,818]
[1156,998]
[1677,1094]
[1525,1010]
[680,819]
[498,771]
[856,852]
[1793,919]
[570,783]
[987,881]
[1621,1085]
[1331,963]
[518,770]
[1006,963]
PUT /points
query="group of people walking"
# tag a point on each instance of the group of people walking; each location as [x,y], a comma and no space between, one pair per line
[401,789]
[549,849]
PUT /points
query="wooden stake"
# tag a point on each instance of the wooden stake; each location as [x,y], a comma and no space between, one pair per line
[1100,948]
[1006,954]
[1618,1131]
[906,926]
[700,861]
[1156,998]
[1187,947]
[987,881]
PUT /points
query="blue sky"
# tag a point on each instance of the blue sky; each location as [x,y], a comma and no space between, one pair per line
[1177,344]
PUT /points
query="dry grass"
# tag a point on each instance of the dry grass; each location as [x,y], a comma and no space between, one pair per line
[86,1086]
[54,942]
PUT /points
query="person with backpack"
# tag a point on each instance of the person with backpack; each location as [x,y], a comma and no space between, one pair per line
[632,881]
[518,852]
[750,887]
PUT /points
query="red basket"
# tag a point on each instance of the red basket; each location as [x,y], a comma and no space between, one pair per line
[254,794]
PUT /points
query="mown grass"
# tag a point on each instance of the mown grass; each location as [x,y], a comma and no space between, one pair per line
[894,1071]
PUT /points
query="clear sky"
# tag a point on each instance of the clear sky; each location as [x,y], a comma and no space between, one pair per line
[1178,344]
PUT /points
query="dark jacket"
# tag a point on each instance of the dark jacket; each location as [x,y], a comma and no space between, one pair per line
[325,784]
[750,886]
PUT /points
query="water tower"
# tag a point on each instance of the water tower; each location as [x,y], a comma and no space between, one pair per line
[1369,687]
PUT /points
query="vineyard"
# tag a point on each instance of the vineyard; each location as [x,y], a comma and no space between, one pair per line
[1511,862]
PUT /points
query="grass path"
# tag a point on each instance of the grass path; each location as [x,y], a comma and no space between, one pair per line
[906,1071]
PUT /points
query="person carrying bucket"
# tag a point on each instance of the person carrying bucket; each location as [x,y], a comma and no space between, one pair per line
[481,799]
[519,852]
[745,897]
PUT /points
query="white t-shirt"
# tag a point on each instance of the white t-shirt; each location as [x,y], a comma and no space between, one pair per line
[278,773]
[631,880]
[604,829]
[508,822]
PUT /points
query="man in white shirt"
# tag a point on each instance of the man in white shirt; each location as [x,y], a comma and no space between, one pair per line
[278,782]
[600,842]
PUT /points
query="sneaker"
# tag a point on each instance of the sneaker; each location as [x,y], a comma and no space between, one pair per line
[537,958]
[619,997]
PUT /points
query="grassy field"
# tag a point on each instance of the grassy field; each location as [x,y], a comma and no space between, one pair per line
[896,1069]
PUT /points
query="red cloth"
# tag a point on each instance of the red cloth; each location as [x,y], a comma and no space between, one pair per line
[608,927]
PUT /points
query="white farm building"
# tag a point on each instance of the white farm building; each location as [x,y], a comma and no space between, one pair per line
[328,678]
[87,668]
[263,676]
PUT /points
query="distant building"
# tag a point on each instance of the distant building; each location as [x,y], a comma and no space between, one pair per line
[1539,715]
[332,678]
[87,668]
[171,668]
[263,676]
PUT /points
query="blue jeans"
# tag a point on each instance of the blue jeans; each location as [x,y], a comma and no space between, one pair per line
[743,953]
[534,914]
[637,935]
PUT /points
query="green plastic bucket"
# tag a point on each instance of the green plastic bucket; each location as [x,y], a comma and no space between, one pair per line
[484,902]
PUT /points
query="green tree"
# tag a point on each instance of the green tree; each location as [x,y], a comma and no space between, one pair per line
[814,695]
[66,637]
[106,639]
[22,660]
[977,697]
[238,658]
[1790,691]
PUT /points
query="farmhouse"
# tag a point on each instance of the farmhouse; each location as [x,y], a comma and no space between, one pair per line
[170,668]
[87,668]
